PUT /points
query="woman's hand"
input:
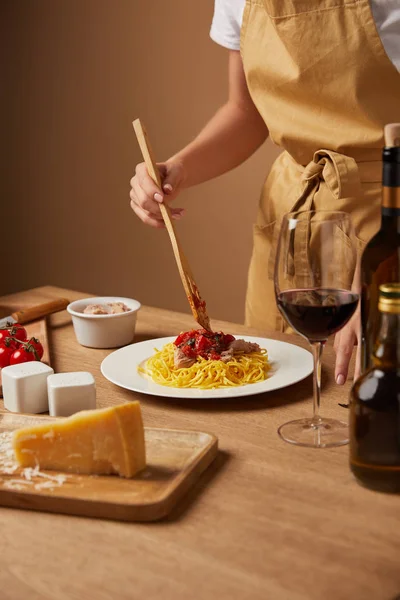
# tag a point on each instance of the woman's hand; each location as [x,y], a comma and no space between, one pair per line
[345,340]
[146,196]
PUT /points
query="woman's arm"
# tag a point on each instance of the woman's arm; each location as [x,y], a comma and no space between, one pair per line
[232,135]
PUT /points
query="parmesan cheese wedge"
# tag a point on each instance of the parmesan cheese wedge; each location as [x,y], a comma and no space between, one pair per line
[102,442]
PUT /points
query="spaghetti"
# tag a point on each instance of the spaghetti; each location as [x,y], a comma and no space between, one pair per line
[206,373]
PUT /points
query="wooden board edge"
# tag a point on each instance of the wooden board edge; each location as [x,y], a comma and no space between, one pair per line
[202,463]
[148,512]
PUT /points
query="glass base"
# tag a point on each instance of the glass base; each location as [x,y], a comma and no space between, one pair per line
[324,433]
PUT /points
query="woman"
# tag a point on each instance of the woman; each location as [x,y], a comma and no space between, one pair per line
[321,77]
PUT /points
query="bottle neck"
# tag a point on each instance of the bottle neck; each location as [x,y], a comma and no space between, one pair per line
[386,352]
[391,189]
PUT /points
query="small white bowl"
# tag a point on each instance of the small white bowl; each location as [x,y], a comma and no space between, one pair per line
[104,331]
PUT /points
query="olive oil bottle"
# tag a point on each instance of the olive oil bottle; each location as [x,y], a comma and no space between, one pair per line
[375,403]
[380,262]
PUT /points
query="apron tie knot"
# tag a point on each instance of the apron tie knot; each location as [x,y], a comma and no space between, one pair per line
[338,171]
[312,171]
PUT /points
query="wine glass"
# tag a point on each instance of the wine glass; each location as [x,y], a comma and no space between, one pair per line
[314,287]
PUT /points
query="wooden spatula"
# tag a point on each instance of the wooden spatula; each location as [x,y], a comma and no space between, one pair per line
[197,305]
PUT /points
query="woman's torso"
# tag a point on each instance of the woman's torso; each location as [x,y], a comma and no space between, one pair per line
[228,16]
[320,75]
[318,71]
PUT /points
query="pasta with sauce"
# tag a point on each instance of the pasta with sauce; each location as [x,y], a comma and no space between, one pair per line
[206,360]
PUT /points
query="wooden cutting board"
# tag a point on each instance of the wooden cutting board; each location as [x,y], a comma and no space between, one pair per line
[175,460]
[37,329]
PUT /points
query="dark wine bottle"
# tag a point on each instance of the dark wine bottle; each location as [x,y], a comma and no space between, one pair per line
[381,257]
[375,406]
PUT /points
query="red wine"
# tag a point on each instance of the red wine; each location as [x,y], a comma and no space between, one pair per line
[317,313]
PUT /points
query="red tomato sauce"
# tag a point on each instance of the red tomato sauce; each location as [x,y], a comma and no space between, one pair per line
[200,342]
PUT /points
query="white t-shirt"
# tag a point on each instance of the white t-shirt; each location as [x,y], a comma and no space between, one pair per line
[228,14]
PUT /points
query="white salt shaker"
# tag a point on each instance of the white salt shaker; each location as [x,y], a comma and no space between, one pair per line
[70,392]
[25,387]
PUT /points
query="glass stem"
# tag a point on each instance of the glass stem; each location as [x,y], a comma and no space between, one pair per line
[317,348]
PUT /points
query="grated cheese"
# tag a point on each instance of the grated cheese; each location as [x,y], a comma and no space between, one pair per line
[26,477]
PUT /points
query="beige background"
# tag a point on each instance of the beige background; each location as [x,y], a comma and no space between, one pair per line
[76,74]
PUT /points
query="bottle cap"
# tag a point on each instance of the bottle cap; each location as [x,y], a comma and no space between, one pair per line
[389,297]
[392,135]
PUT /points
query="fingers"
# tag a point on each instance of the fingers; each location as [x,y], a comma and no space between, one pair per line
[143,200]
[344,345]
[146,196]
[146,183]
[336,342]
[146,217]
[151,207]
[173,178]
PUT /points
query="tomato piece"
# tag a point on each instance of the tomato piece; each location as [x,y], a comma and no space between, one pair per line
[202,344]
[188,351]
[203,332]
[35,343]
[22,355]
[5,355]
[228,338]
[183,338]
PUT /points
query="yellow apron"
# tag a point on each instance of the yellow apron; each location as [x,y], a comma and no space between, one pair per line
[325,87]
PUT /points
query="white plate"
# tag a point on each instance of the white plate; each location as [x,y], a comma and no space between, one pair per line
[290,364]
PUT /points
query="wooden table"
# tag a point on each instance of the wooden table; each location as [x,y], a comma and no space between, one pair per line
[266,521]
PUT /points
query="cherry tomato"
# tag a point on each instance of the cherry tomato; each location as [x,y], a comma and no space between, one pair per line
[5,355]
[35,343]
[22,355]
[4,333]
[18,332]
[7,341]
